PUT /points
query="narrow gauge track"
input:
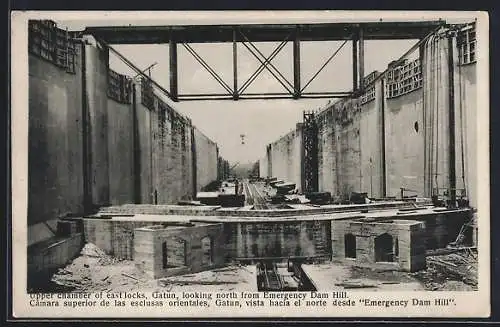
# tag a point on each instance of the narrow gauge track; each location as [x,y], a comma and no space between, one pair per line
[272,281]
[259,201]
[248,194]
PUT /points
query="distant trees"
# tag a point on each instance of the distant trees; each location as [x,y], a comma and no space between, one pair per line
[254,172]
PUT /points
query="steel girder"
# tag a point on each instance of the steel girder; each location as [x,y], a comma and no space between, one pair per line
[294,90]
[248,34]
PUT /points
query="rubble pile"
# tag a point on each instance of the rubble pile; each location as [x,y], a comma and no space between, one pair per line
[445,270]
[92,251]
[94,270]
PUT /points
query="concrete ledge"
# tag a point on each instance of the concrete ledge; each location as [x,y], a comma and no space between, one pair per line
[51,254]
[302,210]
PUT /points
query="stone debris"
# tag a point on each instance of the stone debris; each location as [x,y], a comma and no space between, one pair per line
[456,270]
[352,284]
[94,270]
[92,251]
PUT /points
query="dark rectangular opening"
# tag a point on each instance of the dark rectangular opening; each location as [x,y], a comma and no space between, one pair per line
[164,255]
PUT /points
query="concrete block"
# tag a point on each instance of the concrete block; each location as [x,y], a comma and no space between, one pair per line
[178,250]
[404,246]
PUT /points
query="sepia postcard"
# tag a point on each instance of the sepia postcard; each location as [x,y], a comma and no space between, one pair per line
[263,164]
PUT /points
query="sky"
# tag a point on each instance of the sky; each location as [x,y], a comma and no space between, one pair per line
[261,121]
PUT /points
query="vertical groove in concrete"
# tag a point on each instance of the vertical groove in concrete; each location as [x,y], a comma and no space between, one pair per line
[137,147]
[451,117]
[194,162]
[382,153]
[86,144]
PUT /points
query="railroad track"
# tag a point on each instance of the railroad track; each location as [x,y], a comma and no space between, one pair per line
[259,201]
[272,279]
[254,196]
[248,194]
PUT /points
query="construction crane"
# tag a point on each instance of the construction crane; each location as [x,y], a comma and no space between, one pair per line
[233,166]
[148,69]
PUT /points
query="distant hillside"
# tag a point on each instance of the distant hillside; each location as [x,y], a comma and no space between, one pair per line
[242,170]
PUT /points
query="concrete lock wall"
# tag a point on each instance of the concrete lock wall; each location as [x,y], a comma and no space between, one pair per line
[96,60]
[206,159]
[55,152]
[371,144]
[144,148]
[263,163]
[327,148]
[171,154]
[87,149]
[467,111]
[404,144]
[346,144]
[161,137]
[286,154]
[121,152]
[387,143]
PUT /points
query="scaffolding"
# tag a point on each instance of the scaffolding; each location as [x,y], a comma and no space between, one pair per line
[310,148]
[119,87]
[53,44]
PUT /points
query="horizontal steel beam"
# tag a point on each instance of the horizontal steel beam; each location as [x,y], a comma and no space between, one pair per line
[261,32]
[191,95]
[243,34]
[328,93]
[264,97]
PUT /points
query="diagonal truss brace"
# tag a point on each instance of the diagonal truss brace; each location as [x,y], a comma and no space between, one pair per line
[295,90]
[323,66]
[205,65]
[266,62]
[301,32]
[263,65]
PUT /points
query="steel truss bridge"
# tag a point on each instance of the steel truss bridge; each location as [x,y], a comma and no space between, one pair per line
[247,35]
